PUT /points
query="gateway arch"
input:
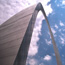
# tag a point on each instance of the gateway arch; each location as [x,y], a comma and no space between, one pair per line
[15,36]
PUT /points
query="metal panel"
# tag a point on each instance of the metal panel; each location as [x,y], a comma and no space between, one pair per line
[11,35]
[10,44]
[7,60]
[15,26]
[9,51]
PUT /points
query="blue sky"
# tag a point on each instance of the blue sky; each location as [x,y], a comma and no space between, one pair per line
[41,50]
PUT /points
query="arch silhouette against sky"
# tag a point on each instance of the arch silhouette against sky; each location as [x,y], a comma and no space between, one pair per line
[23,50]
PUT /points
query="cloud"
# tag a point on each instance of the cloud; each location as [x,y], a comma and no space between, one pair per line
[62,40]
[61,24]
[48,42]
[56,26]
[47,8]
[63,55]
[33,50]
[47,58]
[60,30]
[32,62]
[60,3]
[63,2]
[53,31]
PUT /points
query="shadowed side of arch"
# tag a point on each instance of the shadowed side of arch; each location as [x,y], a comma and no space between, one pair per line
[24,47]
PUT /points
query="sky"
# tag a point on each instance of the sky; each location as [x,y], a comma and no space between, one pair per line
[8,8]
[41,50]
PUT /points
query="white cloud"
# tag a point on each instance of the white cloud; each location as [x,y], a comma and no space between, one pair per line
[63,2]
[32,62]
[44,2]
[56,26]
[53,31]
[33,50]
[62,40]
[60,3]
[59,30]
[47,8]
[48,42]
[63,55]
[47,58]
[61,24]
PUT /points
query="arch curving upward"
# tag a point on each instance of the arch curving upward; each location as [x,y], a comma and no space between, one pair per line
[23,50]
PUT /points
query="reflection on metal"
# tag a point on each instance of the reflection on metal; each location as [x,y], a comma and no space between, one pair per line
[23,51]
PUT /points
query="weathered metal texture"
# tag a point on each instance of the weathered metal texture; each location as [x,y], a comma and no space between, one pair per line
[16,33]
